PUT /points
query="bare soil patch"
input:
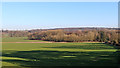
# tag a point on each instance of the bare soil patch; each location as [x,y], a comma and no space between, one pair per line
[54,42]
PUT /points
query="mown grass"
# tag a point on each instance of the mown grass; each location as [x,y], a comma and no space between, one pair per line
[60,54]
[57,54]
[57,46]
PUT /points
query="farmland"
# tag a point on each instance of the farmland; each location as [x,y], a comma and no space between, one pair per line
[59,34]
[57,54]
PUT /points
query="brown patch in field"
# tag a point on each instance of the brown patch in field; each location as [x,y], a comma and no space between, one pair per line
[33,42]
[49,42]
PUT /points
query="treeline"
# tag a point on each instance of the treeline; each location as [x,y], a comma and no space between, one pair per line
[108,36]
[8,33]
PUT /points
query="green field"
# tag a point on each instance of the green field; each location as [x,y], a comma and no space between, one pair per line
[57,54]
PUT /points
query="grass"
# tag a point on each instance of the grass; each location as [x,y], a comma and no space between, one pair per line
[58,46]
[59,54]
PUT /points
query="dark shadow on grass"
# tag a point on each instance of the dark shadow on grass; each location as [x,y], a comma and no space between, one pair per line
[59,58]
[118,54]
[93,47]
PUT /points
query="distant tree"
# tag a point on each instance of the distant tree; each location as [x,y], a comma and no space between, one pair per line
[108,36]
[102,37]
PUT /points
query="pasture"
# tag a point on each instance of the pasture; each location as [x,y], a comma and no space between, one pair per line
[57,54]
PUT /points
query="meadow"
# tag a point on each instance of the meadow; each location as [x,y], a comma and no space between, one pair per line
[57,54]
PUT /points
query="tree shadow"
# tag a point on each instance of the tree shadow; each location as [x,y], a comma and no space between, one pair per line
[117,54]
[56,58]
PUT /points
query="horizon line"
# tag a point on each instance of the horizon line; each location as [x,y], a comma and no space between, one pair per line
[59,28]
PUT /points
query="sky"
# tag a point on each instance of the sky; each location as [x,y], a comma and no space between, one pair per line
[46,15]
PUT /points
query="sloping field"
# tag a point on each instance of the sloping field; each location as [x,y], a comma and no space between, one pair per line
[18,51]
[59,54]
